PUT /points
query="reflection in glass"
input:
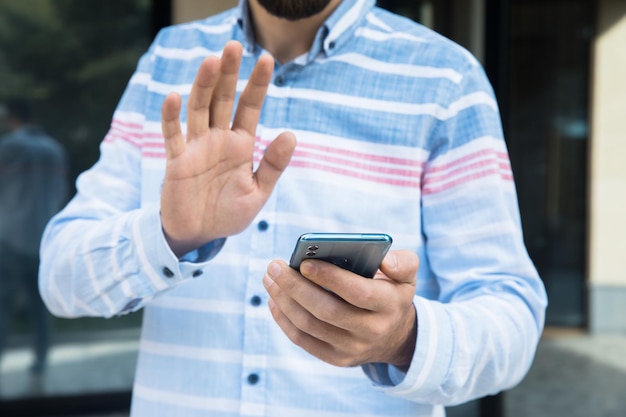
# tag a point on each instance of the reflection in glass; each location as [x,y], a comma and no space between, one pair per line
[33,187]
[70,60]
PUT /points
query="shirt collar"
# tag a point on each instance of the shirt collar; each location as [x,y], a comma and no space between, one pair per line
[335,31]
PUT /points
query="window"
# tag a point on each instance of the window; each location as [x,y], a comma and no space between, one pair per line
[69,60]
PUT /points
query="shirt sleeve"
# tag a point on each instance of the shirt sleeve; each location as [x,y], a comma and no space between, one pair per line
[105,253]
[480,335]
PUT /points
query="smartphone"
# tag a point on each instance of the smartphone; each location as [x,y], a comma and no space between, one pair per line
[360,253]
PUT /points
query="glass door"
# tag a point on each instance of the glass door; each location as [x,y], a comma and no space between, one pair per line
[67,62]
[547,94]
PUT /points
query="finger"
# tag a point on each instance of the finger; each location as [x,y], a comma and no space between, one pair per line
[302,326]
[287,312]
[253,96]
[170,126]
[318,348]
[309,306]
[200,97]
[283,281]
[401,266]
[275,159]
[363,293]
[223,96]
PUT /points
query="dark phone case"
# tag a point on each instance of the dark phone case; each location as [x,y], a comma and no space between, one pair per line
[360,253]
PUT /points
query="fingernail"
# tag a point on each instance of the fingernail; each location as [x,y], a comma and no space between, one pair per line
[273,270]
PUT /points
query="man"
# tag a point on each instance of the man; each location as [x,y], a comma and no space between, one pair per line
[33,187]
[397,132]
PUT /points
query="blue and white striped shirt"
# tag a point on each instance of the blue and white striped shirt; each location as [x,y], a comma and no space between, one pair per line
[398,132]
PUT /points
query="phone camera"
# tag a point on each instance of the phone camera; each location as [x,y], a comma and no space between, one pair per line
[310,250]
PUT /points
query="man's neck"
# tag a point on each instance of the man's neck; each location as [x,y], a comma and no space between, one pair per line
[286,39]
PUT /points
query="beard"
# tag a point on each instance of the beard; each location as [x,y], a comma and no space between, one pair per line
[294,9]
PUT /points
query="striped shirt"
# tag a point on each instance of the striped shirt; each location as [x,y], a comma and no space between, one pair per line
[398,132]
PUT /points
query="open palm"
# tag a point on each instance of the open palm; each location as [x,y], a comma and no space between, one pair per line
[210,189]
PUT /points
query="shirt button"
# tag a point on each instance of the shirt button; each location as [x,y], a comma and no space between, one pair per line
[253,379]
[167,272]
[197,273]
[256,301]
[331,45]
[132,304]
[279,81]
[263,225]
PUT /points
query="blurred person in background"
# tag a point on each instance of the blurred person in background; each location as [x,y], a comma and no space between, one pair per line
[33,187]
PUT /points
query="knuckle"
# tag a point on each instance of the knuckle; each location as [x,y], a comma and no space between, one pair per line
[290,285]
[304,322]
[340,360]
[297,338]
[379,330]
[332,313]
[370,297]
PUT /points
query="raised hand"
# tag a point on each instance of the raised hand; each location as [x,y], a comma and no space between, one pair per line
[210,189]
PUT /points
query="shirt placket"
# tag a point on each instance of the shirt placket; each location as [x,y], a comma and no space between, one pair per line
[256,315]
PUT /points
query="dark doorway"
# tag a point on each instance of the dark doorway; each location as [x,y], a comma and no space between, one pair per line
[545,94]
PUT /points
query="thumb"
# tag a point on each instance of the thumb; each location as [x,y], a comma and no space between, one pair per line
[401,266]
[275,160]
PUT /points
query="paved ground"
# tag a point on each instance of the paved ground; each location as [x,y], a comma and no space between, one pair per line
[574,375]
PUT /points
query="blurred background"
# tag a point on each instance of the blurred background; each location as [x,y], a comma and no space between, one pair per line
[558,69]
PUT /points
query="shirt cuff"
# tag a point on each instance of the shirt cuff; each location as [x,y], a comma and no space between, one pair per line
[431,358]
[163,267]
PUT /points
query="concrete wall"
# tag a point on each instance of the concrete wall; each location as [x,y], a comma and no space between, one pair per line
[186,10]
[607,202]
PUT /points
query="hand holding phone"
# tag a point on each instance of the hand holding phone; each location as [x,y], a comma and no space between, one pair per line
[361,253]
[351,335]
